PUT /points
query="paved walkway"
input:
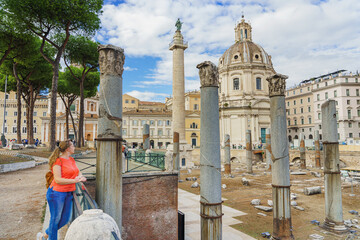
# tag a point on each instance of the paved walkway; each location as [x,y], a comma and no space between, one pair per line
[189,204]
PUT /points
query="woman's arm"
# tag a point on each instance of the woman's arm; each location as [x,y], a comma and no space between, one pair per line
[63,181]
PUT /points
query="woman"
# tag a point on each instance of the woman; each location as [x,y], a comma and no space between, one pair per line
[59,195]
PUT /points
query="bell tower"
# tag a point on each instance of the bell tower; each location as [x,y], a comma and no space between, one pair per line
[243,31]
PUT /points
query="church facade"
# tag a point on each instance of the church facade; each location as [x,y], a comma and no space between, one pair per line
[244,102]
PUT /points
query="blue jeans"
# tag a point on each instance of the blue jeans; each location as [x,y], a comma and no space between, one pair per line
[60,205]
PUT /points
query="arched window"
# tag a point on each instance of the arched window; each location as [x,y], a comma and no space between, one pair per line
[310,136]
[236,83]
[258,83]
[193,135]
[193,125]
[296,137]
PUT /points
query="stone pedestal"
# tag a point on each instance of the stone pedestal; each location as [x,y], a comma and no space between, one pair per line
[302,152]
[227,155]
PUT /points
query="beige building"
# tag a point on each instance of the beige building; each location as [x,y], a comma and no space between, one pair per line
[129,102]
[300,111]
[40,110]
[243,92]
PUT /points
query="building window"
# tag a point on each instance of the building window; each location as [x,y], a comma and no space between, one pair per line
[289,123]
[152,122]
[349,114]
[14,130]
[135,132]
[308,99]
[302,110]
[15,121]
[317,86]
[318,106]
[294,92]
[25,121]
[35,114]
[160,122]
[24,114]
[318,97]
[15,113]
[34,121]
[34,129]
[319,126]
[350,135]
[301,101]
[309,121]
[23,129]
[326,95]
[301,90]
[357,92]
[309,109]
[44,114]
[302,121]
[334,81]
[288,104]
[348,92]
[294,102]
[143,122]
[308,88]
[335,93]
[258,83]
[236,84]
[124,122]
[295,111]
[5,130]
[196,107]
[326,84]
[124,132]
[319,116]
[152,132]
[126,101]
[350,125]
[303,130]
[346,80]
[132,101]
[193,125]
[358,111]
[135,122]
[167,122]
[160,132]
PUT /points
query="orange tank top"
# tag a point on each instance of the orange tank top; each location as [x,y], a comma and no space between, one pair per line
[68,170]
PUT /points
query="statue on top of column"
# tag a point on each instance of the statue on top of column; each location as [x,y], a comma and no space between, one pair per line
[178,25]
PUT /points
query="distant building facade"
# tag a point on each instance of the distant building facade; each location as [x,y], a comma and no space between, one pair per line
[243,92]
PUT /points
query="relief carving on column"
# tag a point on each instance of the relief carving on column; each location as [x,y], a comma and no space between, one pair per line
[277,84]
[208,73]
[111,60]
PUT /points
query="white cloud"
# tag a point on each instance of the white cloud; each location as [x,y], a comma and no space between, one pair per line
[127,68]
[305,38]
[148,96]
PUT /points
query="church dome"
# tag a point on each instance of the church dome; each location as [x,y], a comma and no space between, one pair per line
[244,51]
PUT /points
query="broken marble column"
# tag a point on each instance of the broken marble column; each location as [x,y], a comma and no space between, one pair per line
[146,137]
[176,151]
[210,163]
[109,139]
[268,149]
[248,152]
[282,228]
[302,152]
[333,200]
[317,150]
[227,155]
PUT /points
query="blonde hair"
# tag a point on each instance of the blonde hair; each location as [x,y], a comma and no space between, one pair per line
[56,153]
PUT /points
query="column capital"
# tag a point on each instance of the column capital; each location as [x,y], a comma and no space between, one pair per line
[208,73]
[111,60]
[277,85]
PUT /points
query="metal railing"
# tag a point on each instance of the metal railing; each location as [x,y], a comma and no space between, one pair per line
[140,161]
[82,200]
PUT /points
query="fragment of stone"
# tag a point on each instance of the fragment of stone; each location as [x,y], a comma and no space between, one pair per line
[270,203]
[92,225]
[356,226]
[264,208]
[189,171]
[181,180]
[316,174]
[299,208]
[298,173]
[245,182]
[194,178]
[348,223]
[266,235]
[354,212]
[293,196]
[315,222]
[223,186]
[195,185]
[188,179]
[293,203]
[316,237]
[262,214]
[354,221]
[255,202]
[312,190]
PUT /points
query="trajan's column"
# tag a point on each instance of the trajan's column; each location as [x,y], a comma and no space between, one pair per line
[178,46]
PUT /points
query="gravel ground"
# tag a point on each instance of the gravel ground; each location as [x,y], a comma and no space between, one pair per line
[22,197]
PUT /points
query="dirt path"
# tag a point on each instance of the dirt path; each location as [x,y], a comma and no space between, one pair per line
[22,197]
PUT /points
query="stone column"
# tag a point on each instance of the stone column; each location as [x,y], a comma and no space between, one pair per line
[227,154]
[210,164]
[46,132]
[146,137]
[176,151]
[178,47]
[268,149]
[282,228]
[317,150]
[302,152]
[62,131]
[248,152]
[333,202]
[108,159]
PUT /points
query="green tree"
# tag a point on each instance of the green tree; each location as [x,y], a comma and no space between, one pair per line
[31,74]
[82,51]
[47,19]
[69,90]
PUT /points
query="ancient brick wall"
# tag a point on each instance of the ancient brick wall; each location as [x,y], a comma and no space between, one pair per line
[150,206]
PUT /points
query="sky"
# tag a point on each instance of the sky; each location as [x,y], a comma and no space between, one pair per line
[305,38]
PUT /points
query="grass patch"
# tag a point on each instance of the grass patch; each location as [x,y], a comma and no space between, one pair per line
[43,212]
[44,153]
[4,159]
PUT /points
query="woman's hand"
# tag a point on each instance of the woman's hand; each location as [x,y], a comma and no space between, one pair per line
[77,179]
[82,179]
